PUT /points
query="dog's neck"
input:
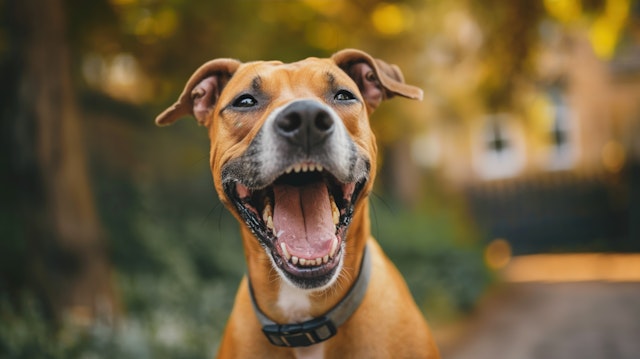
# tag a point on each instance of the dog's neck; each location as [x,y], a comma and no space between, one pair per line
[294,303]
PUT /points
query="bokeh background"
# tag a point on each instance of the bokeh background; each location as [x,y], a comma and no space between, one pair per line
[521,165]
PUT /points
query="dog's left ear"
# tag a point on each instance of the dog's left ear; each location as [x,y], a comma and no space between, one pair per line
[376,79]
[201,92]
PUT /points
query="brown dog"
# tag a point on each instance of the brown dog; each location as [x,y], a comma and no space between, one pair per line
[293,157]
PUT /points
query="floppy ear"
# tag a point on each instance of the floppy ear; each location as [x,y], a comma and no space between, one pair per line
[201,92]
[376,79]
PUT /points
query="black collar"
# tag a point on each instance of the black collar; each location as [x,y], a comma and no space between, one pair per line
[322,328]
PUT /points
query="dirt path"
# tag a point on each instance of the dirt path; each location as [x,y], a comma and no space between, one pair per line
[547,321]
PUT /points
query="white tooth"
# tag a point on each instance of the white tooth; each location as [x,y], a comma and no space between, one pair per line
[289,170]
[294,259]
[325,259]
[319,168]
[297,168]
[303,262]
[285,251]
[270,223]
[312,167]
[318,261]
[335,213]
[334,247]
[267,211]
[305,167]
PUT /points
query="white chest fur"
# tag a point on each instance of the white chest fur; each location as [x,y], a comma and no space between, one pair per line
[295,304]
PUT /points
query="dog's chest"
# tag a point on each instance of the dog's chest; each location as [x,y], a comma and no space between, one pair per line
[295,304]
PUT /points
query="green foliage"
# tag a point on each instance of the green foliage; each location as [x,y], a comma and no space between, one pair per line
[169,331]
[438,251]
[176,299]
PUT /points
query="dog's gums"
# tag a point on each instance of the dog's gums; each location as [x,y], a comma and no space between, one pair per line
[301,220]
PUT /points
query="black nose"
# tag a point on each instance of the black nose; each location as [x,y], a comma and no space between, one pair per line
[304,123]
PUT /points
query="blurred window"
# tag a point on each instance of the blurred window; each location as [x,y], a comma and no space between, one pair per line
[500,152]
[561,135]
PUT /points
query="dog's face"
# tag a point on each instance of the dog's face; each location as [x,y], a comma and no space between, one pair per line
[292,152]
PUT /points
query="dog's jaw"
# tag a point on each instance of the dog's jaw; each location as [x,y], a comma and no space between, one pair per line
[299,205]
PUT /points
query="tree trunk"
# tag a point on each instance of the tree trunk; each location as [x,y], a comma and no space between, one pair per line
[57,217]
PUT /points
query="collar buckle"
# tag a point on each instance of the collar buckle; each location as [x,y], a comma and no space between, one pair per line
[301,334]
[322,328]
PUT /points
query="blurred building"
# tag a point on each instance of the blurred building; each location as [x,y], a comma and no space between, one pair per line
[561,172]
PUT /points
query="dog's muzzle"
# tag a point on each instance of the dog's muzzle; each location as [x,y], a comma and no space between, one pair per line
[295,187]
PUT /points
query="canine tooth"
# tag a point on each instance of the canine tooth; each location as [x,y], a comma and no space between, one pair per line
[325,259]
[267,211]
[270,223]
[335,212]
[303,262]
[334,247]
[285,251]
[297,168]
[294,259]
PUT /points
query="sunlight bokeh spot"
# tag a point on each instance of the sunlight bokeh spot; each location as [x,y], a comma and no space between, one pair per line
[613,156]
[326,7]
[166,22]
[618,10]
[564,10]
[605,31]
[603,36]
[323,35]
[498,253]
[390,19]
[539,110]
[144,25]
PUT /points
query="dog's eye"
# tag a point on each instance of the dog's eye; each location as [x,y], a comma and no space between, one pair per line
[344,95]
[245,101]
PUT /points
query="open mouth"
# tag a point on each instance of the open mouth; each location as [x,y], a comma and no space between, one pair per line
[301,219]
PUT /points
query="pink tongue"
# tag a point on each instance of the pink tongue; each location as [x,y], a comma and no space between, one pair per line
[302,219]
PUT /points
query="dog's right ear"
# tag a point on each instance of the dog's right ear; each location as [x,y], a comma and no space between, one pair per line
[201,92]
[376,79]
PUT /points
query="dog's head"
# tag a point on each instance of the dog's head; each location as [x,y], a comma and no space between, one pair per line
[292,152]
